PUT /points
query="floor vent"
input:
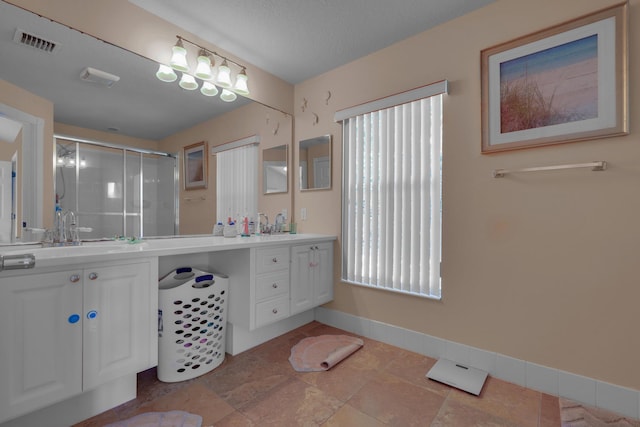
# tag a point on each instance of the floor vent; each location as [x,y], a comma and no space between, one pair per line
[36,42]
[459,376]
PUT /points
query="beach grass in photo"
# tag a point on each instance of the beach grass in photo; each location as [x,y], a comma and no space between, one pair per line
[553,86]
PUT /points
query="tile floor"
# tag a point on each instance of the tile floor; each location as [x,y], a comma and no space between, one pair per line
[379,385]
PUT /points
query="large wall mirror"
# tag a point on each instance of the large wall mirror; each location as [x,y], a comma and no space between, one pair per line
[315,163]
[275,176]
[137,106]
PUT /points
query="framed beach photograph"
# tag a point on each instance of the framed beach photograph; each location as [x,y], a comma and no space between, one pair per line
[195,166]
[563,84]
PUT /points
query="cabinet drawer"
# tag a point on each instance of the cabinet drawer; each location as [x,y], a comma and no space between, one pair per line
[272,310]
[272,284]
[272,259]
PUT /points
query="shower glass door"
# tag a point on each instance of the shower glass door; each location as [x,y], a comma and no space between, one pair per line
[116,192]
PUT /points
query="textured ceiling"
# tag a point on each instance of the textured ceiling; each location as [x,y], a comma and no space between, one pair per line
[299,39]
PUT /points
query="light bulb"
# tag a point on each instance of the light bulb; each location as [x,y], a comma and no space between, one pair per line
[166,74]
[179,57]
[203,70]
[209,89]
[228,96]
[188,82]
[241,86]
[224,75]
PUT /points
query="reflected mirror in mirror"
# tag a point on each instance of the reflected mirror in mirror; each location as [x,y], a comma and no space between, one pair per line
[274,169]
[315,163]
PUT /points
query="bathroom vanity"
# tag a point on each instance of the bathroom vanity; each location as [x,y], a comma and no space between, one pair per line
[77,327]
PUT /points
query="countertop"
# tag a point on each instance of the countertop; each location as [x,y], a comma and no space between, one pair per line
[113,250]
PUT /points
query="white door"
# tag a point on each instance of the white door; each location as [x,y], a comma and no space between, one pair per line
[6,186]
[41,341]
[301,278]
[322,172]
[116,336]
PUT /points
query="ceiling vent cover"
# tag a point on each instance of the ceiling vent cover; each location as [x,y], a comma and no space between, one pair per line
[36,42]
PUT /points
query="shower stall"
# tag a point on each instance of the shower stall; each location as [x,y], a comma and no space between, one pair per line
[117,191]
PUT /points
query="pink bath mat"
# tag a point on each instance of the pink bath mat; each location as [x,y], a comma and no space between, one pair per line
[161,419]
[323,352]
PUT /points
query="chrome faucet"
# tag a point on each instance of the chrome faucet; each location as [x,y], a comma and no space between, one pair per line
[65,230]
[264,228]
[71,228]
[279,223]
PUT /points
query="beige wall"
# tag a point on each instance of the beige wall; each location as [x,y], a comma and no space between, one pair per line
[541,267]
[274,128]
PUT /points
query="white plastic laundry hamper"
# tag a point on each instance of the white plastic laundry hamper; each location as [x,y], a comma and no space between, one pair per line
[191,323]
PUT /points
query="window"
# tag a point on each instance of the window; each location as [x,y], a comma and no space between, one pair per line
[237,182]
[392,200]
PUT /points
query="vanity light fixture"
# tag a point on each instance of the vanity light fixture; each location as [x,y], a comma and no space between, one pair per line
[224,75]
[166,74]
[188,82]
[209,89]
[179,57]
[205,72]
[228,96]
[241,86]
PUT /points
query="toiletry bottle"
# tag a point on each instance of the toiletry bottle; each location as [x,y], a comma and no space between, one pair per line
[245,227]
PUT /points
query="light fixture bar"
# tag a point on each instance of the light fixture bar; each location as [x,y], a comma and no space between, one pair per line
[204,72]
[242,67]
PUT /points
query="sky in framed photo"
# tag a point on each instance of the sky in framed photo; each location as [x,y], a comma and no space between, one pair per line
[552,86]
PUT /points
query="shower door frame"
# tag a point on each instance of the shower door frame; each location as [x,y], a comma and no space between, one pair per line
[124,149]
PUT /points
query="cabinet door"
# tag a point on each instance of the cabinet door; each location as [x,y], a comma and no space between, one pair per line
[41,341]
[323,266]
[116,319]
[301,285]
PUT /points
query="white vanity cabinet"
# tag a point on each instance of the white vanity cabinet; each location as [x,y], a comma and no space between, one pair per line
[311,275]
[66,332]
[271,285]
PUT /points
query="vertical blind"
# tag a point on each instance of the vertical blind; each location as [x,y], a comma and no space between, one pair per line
[392,198]
[237,182]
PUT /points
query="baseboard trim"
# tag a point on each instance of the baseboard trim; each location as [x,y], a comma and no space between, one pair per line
[589,391]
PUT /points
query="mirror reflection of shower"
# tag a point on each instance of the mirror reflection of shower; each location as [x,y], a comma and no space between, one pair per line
[116,191]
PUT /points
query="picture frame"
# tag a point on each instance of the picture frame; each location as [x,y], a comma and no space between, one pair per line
[195,166]
[563,84]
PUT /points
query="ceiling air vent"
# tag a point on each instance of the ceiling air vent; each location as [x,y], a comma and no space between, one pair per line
[28,39]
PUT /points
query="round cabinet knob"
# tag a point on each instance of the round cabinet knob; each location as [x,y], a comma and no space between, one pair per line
[92,314]
[74,318]
[274,311]
[315,247]
[275,260]
[93,276]
[75,278]
[274,286]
